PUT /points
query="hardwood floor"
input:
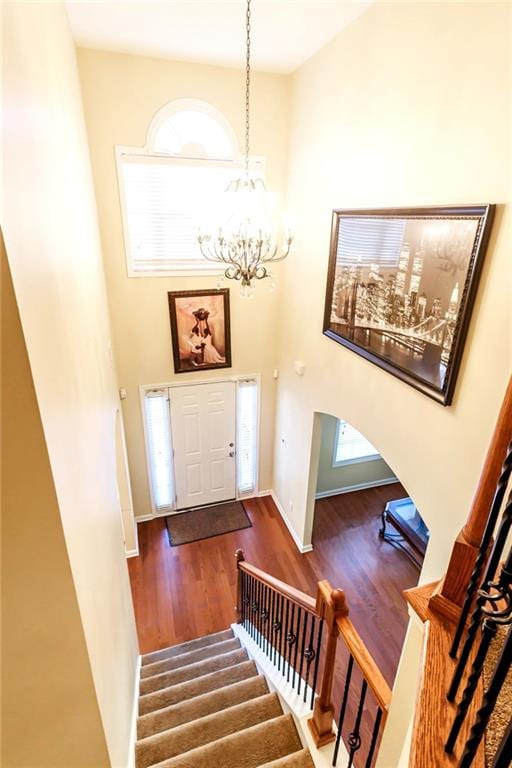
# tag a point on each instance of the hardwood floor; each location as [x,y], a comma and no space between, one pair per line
[184,592]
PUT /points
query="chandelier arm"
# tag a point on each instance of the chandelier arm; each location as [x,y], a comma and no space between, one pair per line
[205,253]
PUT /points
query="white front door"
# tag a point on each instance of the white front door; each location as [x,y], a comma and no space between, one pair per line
[203,438]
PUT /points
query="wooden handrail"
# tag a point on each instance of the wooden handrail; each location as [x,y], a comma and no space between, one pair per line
[331,608]
[365,662]
[291,593]
[449,595]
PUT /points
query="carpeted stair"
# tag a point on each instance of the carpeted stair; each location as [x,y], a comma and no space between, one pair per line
[203,704]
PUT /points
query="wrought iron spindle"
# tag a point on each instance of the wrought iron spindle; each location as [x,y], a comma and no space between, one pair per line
[297,630]
[290,641]
[354,737]
[258,611]
[271,628]
[501,538]
[375,734]
[499,495]
[309,655]
[317,659]
[264,616]
[302,649]
[489,700]
[254,607]
[343,708]
[244,600]
[284,636]
[499,613]
[278,624]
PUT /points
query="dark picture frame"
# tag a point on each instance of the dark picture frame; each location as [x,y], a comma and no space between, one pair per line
[401,285]
[200,329]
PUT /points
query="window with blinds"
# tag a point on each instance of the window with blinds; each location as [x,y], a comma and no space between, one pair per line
[247,436]
[165,203]
[364,241]
[159,448]
[350,446]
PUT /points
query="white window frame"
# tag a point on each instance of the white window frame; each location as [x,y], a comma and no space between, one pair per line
[257,164]
[143,388]
[347,462]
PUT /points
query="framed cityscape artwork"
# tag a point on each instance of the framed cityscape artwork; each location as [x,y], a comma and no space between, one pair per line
[200,329]
[401,286]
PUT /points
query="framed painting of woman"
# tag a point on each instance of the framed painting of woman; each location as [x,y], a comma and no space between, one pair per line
[200,329]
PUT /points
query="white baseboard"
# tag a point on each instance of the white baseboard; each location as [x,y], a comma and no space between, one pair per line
[303,548]
[145,518]
[132,552]
[135,713]
[356,487]
[264,493]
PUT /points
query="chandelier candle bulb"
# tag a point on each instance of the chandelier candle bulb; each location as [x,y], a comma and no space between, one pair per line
[245,244]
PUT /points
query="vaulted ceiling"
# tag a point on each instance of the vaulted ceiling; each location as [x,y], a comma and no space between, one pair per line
[285,33]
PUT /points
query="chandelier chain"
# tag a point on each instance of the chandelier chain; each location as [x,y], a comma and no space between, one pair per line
[247,83]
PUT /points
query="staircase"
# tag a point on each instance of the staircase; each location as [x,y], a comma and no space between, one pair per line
[203,704]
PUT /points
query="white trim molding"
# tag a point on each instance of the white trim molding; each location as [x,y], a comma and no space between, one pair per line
[356,487]
[303,548]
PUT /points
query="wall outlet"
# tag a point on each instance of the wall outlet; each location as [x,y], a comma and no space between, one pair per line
[290,506]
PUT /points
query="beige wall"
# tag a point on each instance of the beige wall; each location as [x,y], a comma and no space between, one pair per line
[398,110]
[337,478]
[50,714]
[121,95]
[52,242]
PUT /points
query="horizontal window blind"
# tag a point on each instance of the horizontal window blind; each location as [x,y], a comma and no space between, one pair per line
[158,432]
[365,241]
[165,202]
[350,445]
[247,438]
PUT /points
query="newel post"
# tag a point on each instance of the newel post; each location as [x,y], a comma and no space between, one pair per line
[330,604]
[239,557]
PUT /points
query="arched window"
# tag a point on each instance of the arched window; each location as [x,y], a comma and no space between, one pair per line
[169,188]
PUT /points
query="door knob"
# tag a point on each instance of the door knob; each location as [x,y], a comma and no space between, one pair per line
[231,454]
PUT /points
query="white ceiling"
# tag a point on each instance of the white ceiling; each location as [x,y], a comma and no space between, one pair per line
[284,32]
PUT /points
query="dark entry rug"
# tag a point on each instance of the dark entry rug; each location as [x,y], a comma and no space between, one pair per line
[205,522]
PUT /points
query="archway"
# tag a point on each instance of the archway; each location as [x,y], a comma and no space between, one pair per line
[351,491]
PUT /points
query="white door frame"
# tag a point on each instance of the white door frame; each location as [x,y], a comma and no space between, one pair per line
[143,388]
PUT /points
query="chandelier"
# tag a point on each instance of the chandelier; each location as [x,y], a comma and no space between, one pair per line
[245,243]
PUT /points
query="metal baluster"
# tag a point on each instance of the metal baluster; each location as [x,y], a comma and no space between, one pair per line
[501,593]
[489,700]
[303,647]
[343,708]
[494,559]
[317,659]
[284,636]
[483,549]
[375,733]
[265,618]
[297,630]
[354,737]
[278,627]
[253,607]
[272,630]
[290,640]
[243,600]
[309,654]
[258,612]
